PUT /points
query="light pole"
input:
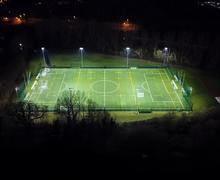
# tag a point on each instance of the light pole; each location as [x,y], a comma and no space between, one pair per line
[43,54]
[81,49]
[127,52]
[16,90]
[20,46]
[165,55]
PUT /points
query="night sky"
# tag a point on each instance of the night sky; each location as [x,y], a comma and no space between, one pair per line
[138,10]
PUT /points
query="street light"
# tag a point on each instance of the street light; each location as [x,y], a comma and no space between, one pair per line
[43,54]
[127,52]
[81,49]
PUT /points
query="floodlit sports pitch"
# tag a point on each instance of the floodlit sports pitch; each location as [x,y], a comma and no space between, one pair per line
[133,89]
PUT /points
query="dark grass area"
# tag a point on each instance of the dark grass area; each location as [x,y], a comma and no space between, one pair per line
[201,97]
[168,145]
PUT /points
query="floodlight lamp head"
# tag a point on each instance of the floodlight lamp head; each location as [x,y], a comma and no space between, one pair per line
[127,48]
[42,48]
[20,44]
[166,49]
[81,48]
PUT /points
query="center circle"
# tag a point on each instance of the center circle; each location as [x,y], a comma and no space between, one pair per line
[104,87]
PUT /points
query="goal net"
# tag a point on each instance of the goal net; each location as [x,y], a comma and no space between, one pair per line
[45,71]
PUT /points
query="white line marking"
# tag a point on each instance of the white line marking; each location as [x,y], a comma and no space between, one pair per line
[61,84]
[133,86]
[33,85]
[27,96]
[152,99]
[174,85]
[38,75]
[179,100]
[175,78]
[176,94]
[166,89]
[119,89]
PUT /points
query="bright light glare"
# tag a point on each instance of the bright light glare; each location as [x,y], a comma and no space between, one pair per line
[166,49]
[81,48]
[42,48]
[127,48]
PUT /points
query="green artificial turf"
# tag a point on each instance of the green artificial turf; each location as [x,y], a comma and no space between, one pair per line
[113,89]
[201,98]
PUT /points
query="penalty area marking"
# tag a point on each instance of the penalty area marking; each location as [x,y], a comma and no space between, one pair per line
[152,99]
[167,89]
[176,94]
[142,85]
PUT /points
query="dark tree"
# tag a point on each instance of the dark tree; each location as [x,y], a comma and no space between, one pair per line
[26,113]
[71,105]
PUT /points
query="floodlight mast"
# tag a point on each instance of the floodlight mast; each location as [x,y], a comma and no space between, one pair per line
[16,90]
[20,46]
[165,55]
[81,49]
[127,52]
[43,54]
